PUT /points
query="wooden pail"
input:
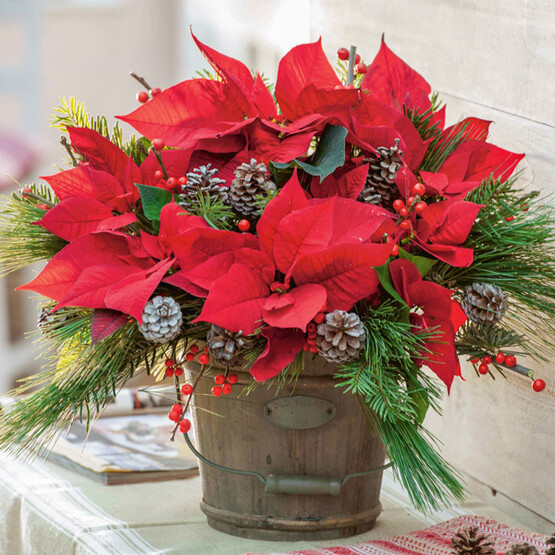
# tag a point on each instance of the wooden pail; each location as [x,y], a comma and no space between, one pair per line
[302,440]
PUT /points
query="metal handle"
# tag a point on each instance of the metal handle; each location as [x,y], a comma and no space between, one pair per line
[291,484]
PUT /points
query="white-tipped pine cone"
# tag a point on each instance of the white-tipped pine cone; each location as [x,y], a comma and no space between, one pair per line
[226,347]
[340,337]
[251,180]
[162,320]
[484,303]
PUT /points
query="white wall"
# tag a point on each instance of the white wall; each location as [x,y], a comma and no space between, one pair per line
[494,60]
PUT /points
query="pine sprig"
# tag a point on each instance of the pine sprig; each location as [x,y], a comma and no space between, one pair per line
[424,121]
[21,242]
[215,211]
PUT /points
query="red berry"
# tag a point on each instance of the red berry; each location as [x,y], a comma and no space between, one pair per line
[500,358]
[217,390]
[206,350]
[178,371]
[174,415]
[155,90]
[142,97]
[187,389]
[410,201]
[311,341]
[313,349]
[483,368]
[184,425]
[169,372]
[509,218]
[395,250]
[219,379]
[343,54]
[204,359]
[403,212]
[190,357]
[486,359]
[420,207]
[405,224]
[194,349]
[169,362]
[177,408]
[244,225]
[311,328]
[171,182]
[357,58]
[158,174]
[182,180]
[232,378]
[538,385]
[226,388]
[361,68]
[319,318]
[510,360]
[42,206]
[158,144]
[525,207]
[398,205]
[475,360]
[418,189]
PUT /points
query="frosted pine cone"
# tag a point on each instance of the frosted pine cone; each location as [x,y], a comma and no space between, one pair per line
[203,180]
[522,549]
[383,167]
[251,180]
[470,542]
[484,303]
[162,320]
[340,337]
[227,347]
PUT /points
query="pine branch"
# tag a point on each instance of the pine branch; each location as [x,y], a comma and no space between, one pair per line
[215,211]
[423,121]
[21,242]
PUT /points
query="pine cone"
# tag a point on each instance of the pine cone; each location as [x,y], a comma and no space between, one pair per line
[340,336]
[380,185]
[46,319]
[551,545]
[162,320]
[227,347]
[522,549]
[251,180]
[484,303]
[203,180]
[469,542]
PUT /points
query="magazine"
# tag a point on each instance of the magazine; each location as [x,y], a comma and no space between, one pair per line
[125,449]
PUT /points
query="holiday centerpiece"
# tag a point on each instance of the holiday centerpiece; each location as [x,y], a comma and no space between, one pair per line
[306,262]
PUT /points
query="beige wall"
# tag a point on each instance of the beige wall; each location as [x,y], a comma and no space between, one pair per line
[494,60]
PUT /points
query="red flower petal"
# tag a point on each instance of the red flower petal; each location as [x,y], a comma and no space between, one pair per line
[235,300]
[303,65]
[105,322]
[263,99]
[281,347]
[348,185]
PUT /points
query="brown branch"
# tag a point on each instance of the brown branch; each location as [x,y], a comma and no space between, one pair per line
[140,79]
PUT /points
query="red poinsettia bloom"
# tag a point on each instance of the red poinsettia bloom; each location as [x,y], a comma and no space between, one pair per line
[439,314]
[309,254]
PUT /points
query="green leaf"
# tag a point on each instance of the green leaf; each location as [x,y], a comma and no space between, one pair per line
[330,153]
[387,284]
[423,264]
[154,199]
[282,171]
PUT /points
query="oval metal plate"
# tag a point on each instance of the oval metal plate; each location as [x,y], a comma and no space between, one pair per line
[299,412]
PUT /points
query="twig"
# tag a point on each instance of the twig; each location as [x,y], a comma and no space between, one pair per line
[67,146]
[29,194]
[140,79]
[176,427]
[156,153]
[351,68]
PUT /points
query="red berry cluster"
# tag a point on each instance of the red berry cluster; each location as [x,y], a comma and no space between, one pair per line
[203,358]
[224,384]
[172,368]
[176,414]
[360,67]
[144,96]
[311,328]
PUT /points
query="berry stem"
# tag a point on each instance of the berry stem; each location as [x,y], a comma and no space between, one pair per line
[351,67]
[160,161]
[519,369]
[67,146]
[140,79]
[186,408]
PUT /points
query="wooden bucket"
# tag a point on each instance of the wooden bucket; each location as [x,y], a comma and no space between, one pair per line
[244,432]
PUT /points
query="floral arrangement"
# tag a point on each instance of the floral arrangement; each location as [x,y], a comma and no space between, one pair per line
[251,226]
